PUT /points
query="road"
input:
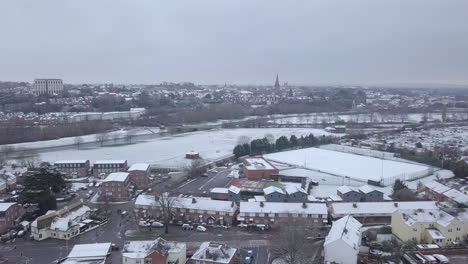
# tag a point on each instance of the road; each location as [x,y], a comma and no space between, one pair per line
[202,185]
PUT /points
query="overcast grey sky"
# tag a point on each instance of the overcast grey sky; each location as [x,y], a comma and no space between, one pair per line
[241,41]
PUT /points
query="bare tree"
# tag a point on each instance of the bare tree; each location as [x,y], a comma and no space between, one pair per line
[101,138]
[290,243]
[196,167]
[243,140]
[167,205]
[78,142]
[130,135]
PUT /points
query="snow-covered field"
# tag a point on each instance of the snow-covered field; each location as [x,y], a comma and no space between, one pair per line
[346,164]
[170,151]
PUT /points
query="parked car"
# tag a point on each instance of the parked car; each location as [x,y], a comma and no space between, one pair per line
[204,175]
[87,196]
[201,229]
[187,227]
[114,247]
[157,224]
[247,260]
[143,223]
[91,184]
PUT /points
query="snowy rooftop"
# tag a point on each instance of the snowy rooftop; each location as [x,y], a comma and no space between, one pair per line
[139,167]
[417,216]
[141,249]
[199,203]
[457,196]
[345,164]
[258,164]
[435,234]
[377,208]
[116,176]
[214,253]
[290,189]
[62,223]
[366,189]
[90,250]
[273,189]
[344,189]
[70,161]
[219,190]
[347,229]
[145,200]
[436,187]
[234,189]
[283,208]
[5,206]
[109,161]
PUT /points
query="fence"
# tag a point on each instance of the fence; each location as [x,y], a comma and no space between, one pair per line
[360,151]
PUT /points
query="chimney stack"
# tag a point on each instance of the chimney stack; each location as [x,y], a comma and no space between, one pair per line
[304,205]
[396,204]
[261,204]
[194,200]
[355,205]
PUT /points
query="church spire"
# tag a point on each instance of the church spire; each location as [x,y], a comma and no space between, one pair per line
[277,85]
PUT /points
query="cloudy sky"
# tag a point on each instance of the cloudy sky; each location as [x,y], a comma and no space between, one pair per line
[235,41]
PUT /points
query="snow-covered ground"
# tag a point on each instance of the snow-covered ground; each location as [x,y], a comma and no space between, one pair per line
[346,164]
[170,151]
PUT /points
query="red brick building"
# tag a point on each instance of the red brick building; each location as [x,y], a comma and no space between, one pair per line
[139,175]
[73,168]
[196,210]
[102,168]
[158,251]
[115,187]
[9,213]
[256,168]
[435,191]
[269,213]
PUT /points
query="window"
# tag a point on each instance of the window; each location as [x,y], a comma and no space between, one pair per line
[450,230]
[458,228]
[415,230]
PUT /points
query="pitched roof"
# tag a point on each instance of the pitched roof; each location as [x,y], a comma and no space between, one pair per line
[289,208]
[139,167]
[214,253]
[346,229]
[272,189]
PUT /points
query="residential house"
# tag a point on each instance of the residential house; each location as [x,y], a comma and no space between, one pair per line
[433,226]
[234,193]
[296,194]
[64,224]
[139,175]
[375,212]
[7,182]
[343,241]
[435,191]
[73,168]
[157,251]
[256,168]
[115,187]
[268,213]
[274,194]
[9,214]
[197,210]
[349,194]
[102,168]
[214,253]
[370,194]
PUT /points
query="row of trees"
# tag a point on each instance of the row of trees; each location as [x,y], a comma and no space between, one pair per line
[268,144]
